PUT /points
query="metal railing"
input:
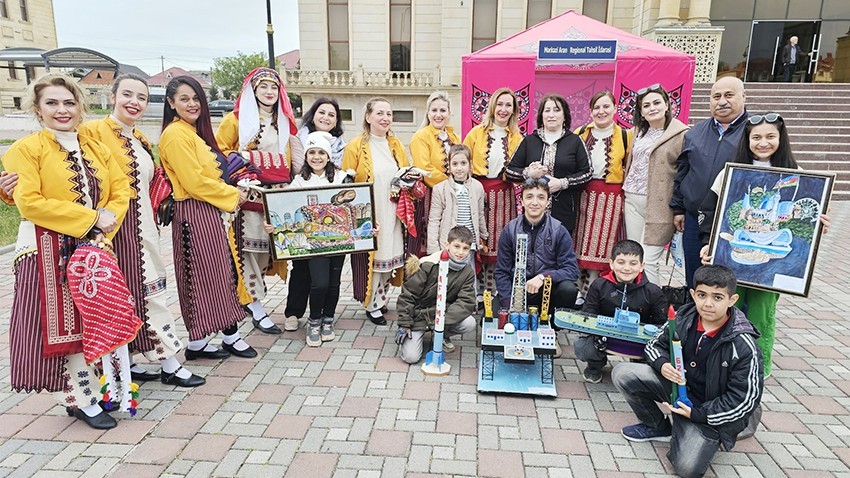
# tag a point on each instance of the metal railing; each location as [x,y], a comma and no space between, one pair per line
[361,78]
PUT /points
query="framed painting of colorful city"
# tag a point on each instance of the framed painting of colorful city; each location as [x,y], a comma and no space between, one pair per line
[767,226]
[321,220]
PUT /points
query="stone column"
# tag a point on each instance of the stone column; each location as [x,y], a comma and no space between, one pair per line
[699,12]
[841,71]
[668,13]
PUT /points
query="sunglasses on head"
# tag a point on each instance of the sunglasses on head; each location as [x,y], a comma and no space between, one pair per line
[655,87]
[769,117]
[542,181]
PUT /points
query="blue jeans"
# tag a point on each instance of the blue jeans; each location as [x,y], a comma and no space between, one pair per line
[691,246]
[692,445]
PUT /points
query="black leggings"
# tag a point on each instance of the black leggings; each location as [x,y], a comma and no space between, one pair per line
[319,279]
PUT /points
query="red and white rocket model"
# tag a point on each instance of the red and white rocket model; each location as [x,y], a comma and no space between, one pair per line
[435,360]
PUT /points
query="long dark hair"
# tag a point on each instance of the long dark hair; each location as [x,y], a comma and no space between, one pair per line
[330,169]
[307,119]
[560,101]
[641,124]
[782,158]
[202,125]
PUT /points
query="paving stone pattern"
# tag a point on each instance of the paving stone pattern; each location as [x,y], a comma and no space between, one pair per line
[351,408]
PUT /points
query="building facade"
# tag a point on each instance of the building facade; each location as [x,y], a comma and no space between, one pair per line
[23,24]
[406,49]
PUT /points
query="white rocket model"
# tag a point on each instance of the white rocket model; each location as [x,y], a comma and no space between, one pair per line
[435,360]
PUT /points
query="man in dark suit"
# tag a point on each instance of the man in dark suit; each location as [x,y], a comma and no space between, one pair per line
[791,54]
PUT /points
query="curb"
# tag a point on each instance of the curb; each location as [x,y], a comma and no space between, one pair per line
[7,248]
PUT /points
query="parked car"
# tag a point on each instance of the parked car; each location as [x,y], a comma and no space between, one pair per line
[156,103]
[221,107]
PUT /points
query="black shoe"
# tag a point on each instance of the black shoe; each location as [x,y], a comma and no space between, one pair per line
[143,376]
[247,353]
[173,379]
[384,309]
[101,421]
[379,320]
[216,354]
[274,329]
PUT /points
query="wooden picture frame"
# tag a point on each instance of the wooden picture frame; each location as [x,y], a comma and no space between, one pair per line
[767,232]
[320,220]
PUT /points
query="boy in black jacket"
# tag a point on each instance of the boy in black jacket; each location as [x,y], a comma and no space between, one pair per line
[605,295]
[723,372]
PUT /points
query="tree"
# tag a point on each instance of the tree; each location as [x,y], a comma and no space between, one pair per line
[229,72]
[213,93]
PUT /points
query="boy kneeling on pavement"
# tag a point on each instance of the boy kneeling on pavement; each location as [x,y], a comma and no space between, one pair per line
[417,303]
[605,295]
[723,371]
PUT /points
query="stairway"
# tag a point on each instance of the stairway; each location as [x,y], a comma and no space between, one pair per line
[817,116]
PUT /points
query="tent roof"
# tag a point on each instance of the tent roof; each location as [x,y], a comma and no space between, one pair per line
[571,25]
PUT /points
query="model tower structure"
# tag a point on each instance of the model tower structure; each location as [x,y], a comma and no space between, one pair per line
[518,294]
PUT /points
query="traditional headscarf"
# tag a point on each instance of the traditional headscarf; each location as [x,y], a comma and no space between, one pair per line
[248,112]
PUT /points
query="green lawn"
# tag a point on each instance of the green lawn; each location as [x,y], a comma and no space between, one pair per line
[9,219]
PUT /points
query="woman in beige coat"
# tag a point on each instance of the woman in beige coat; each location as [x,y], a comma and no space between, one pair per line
[649,176]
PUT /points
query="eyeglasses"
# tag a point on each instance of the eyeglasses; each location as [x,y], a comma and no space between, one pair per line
[541,181]
[655,87]
[769,117]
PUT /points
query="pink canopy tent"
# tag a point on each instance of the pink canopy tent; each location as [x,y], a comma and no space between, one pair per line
[513,63]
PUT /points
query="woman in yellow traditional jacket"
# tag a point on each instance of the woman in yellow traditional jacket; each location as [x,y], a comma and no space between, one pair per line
[68,189]
[137,241]
[262,128]
[203,263]
[429,149]
[492,143]
[376,156]
[600,224]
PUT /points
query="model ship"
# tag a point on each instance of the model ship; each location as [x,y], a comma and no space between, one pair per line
[625,324]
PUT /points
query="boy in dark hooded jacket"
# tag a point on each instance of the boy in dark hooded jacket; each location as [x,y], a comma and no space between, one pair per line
[605,295]
[417,303]
[723,371]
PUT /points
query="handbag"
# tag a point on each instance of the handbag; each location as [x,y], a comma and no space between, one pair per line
[675,296]
[162,199]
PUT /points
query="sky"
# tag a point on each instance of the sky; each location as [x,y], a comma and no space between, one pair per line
[188,33]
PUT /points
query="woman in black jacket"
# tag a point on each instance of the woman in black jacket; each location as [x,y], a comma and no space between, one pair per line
[555,152]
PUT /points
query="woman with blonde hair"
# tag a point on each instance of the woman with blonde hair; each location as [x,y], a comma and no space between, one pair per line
[377,156]
[429,149]
[69,190]
[492,143]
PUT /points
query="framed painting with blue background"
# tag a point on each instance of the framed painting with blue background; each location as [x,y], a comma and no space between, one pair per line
[767,226]
[321,220]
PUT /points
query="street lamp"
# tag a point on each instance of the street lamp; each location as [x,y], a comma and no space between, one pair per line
[270,33]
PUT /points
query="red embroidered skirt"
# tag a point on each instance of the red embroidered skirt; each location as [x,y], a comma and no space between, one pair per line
[600,223]
[500,209]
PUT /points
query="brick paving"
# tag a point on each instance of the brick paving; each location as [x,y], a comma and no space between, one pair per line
[352,409]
